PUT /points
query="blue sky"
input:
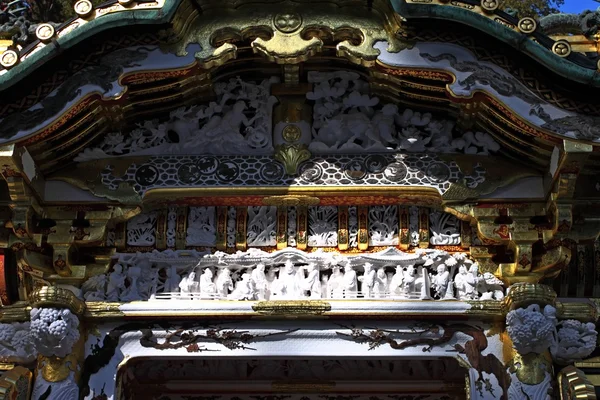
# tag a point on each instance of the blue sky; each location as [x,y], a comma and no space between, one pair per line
[576,6]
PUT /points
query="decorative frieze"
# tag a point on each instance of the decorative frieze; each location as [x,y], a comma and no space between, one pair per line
[141,230]
[322,226]
[201,227]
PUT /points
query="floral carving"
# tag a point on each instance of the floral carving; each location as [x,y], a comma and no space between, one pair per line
[16,342]
[383,225]
[322,226]
[201,229]
[141,230]
[445,228]
[262,226]
[575,341]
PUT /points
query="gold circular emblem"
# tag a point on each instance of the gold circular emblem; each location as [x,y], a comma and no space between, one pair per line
[489,5]
[291,133]
[44,32]
[562,48]
[83,8]
[9,58]
[287,23]
[527,25]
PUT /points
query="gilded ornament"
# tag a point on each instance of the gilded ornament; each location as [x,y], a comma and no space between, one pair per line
[83,8]
[573,384]
[531,369]
[527,25]
[45,32]
[489,5]
[291,133]
[584,312]
[523,294]
[291,156]
[56,369]
[9,58]
[562,48]
[292,307]
[287,22]
[16,384]
[52,296]
[291,201]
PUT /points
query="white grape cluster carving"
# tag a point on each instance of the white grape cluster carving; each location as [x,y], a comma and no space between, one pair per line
[531,329]
[16,343]
[54,331]
[347,119]
[224,126]
[575,340]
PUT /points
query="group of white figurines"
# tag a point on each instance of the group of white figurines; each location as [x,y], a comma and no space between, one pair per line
[291,282]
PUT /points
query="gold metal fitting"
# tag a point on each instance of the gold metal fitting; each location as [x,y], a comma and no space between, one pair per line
[292,307]
[584,312]
[16,384]
[83,8]
[573,384]
[562,48]
[525,294]
[52,296]
[9,59]
[489,5]
[527,25]
[45,32]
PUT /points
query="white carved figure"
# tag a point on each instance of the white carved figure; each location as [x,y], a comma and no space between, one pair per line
[464,284]
[490,287]
[16,342]
[244,289]
[224,283]
[408,282]
[224,126]
[335,284]
[287,287]
[131,293]
[312,282]
[368,280]
[440,281]
[259,280]
[423,284]
[94,289]
[531,329]
[397,281]
[325,286]
[380,288]
[171,232]
[54,331]
[413,225]
[116,283]
[350,284]
[189,285]
[208,289]
[575,341]
[172,281]
[272,281]
[347,119]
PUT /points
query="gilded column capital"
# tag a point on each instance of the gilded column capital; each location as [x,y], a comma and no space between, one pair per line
[584,312]
[521,295]
[52,296]
[573,384]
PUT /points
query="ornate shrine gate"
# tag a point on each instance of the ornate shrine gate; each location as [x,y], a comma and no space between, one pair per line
[299,200]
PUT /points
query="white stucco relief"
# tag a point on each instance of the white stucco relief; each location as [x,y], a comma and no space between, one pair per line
[473,75]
